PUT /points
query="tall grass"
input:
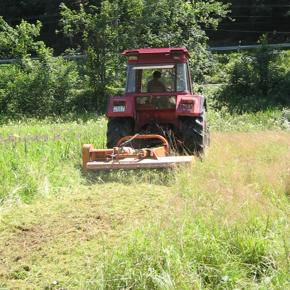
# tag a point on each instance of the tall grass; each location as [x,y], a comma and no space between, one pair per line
[41,157]
[221,224]
[198,253]
[223,121]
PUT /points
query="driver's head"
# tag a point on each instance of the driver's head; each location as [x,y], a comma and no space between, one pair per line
[157,75]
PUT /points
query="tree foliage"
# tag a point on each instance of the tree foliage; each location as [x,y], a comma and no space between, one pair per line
[257,80]
[102,29]
[34,87]
[19,41]
[112,26]
[253,15]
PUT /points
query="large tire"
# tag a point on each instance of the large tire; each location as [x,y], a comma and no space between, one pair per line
[118,128]
[195,134]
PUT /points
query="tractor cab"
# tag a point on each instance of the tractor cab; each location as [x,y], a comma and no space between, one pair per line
[168,66]
[156,85]
[174,77]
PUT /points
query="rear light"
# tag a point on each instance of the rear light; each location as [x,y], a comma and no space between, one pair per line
[119,107]
[186,106]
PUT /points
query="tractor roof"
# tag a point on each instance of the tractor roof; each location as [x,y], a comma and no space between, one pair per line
[156,51]
[153,55]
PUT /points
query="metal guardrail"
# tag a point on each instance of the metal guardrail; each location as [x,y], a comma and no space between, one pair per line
[248,47]
[68,57]
[218,48]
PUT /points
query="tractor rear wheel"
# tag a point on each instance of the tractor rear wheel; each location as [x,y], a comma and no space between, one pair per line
[195,134]
[118,128]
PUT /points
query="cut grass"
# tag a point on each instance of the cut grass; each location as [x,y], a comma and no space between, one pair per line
[222,224]
[60,239]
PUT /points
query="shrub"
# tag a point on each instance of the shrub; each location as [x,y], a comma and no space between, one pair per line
[38,88]
[30,87]
[257,80]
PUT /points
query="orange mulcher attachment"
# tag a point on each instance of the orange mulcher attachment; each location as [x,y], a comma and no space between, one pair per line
[122,157]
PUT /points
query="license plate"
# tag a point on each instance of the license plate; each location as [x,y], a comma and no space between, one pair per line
[118,109]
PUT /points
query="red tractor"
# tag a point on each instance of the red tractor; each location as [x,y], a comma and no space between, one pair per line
[158,113]
[159,100]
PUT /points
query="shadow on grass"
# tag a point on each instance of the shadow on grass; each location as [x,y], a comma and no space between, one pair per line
[136,176]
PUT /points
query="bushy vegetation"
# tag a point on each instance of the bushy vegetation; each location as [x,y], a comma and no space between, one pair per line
[251,81]
[254,81]
[49,86]
[41,87]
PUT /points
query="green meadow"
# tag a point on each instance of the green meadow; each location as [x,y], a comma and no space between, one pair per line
[223,223]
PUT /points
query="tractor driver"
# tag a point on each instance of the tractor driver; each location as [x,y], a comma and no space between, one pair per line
[155,85]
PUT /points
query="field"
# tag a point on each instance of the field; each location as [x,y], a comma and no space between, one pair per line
[221,224]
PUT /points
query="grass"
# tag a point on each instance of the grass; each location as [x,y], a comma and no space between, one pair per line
[221,224]
[223,121]
[40,158]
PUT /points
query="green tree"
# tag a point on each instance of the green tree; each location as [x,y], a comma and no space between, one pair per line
[112,26]
[258,80]
[19,41]
[34,87]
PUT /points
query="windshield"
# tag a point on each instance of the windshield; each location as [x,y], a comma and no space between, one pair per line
[157,78]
